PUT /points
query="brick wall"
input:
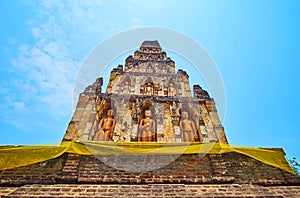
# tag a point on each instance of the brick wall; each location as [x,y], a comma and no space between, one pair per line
[151,190]
[186,169]
[39,173]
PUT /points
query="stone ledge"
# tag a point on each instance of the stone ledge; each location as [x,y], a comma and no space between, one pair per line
[150,190]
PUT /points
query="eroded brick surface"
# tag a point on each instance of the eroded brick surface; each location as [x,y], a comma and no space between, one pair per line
[186,169]
[153,190]
[42,173]
[7,190]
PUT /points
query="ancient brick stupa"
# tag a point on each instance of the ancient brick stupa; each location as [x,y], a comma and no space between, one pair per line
[147,83]
[149,109]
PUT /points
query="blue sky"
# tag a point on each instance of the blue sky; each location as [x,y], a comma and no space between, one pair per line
[255,45]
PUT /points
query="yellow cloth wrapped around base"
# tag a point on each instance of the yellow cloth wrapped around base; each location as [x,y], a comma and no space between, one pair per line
[16,156]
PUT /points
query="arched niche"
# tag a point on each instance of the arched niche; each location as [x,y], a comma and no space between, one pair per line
[147,86]
[193,115]
[149,68]
[147,105]
[172,87]
[106,105]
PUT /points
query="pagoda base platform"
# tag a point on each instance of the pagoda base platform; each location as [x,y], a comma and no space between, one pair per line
[189,175]
[150,190]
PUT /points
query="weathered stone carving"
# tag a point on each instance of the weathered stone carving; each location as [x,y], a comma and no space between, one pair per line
[200,93]
[187,127]
[171,90]
[148,88]
[147,131]
[126,88]
[106,127]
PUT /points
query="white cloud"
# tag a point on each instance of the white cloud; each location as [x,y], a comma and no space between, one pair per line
[36,32]
[51,71]
[45,69]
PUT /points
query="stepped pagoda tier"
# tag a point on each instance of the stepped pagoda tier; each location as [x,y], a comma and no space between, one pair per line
[146,100]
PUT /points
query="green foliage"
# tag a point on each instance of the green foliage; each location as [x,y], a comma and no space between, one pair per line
[295,165]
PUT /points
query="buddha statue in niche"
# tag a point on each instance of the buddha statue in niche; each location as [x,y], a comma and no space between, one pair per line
[148,89]
[171,90]
[149,69]
[187,128]
[106,127]
[147,128]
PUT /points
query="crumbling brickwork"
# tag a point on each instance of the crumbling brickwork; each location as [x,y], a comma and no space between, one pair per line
[151,190]
[186,169]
